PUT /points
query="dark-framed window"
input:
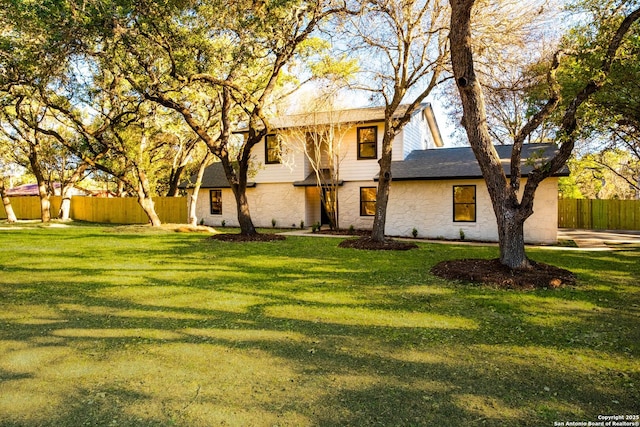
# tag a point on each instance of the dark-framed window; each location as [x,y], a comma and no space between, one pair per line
[367,142]
[368,197]
[215,199]
[464,203]
[272,149]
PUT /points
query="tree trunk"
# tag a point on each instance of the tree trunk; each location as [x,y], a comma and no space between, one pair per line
[174,181]
[238,182]
[11,216]
[244,216]
[193,205]
[145,200]
[45,203]
[193,200]
[384,187]
[65,208]
[149,208]
[511,238]
[510,219]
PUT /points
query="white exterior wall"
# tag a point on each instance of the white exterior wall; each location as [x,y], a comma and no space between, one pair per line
[428,206]
[352,169]
[293,167]
[425,205]
[349,205]
[282,202]
[416,136]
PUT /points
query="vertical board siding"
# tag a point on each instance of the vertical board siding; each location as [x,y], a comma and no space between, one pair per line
[599,214]
[117,210]
[28,207]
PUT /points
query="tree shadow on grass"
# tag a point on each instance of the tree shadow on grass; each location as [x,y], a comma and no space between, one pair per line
[317,340]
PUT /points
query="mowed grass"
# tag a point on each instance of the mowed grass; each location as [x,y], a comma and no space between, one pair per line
[108,326]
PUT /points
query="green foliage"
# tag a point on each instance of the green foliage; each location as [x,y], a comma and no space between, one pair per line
[609,174]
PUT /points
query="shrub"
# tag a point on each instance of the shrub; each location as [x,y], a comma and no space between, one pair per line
[414,232]
[462,234]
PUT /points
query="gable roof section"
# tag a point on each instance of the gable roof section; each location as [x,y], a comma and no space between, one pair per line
[353,115]
[214,177]
[461,163]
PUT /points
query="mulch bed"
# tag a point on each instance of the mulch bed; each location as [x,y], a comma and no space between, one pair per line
[492,272]
[239,238]
[367,243]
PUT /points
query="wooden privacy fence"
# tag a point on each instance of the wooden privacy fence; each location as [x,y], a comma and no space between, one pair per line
[116,210]
[599,214]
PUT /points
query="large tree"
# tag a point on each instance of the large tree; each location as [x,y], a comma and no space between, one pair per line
[220,66]
[404,46]
[511,208]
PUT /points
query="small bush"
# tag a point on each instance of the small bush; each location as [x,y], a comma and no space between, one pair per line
[462,236]
[273,223]
[223,223]
[301,225]
[352,229]
[414,232]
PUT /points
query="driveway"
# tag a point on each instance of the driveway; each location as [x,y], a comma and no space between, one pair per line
[599,238]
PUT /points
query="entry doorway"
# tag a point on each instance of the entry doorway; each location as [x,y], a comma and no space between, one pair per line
[328,197]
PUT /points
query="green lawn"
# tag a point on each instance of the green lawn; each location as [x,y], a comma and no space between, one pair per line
[110,326]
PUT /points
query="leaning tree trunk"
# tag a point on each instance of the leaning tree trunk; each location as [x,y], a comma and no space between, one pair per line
[145,200]
[6,202]
[193,200]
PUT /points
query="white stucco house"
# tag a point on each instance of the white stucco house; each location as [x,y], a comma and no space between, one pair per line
[439,191]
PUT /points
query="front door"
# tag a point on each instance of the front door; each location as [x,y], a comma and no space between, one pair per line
[327,200]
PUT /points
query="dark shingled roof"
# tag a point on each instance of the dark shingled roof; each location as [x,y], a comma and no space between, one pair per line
[214,177]
[461,163]
[312,181]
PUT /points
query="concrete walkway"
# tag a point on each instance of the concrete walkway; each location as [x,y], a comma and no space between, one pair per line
[599,239]
[594,240]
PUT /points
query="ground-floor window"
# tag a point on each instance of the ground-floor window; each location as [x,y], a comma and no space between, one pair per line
[215,198]
[464,203]
[368,196]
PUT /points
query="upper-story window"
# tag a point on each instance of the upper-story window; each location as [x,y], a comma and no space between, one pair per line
[368,142]
[273,150]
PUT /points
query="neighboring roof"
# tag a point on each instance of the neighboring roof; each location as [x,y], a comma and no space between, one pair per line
[214,177]
[32,190]
[461,163]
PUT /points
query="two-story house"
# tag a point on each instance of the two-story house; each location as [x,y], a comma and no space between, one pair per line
[436,190]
